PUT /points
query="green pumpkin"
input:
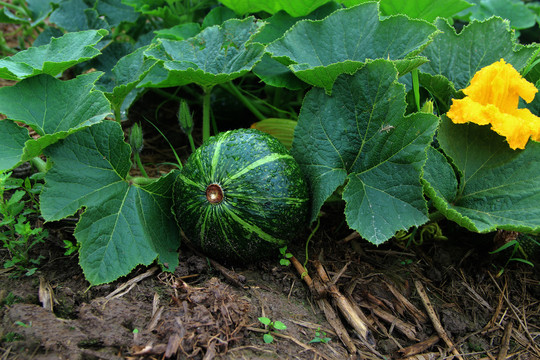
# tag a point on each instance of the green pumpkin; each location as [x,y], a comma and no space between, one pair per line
[241,196]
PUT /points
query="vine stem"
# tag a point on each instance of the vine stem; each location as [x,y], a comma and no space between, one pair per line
[191,143]
[230,87]
[139,180]
[206,112]
[117,114]
[139,164]
[309,239]
[436,216]
[22,8]
[39,164]
[416,88]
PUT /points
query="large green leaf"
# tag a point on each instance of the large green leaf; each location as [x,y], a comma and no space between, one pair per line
[440,88]
[116,12]
[216,55]
[53,58]
[123,225]
[459,56]
[6,16]
[519,15]
[217,16]
[179,32]
[319,51]
[294,8]
[76,15]
[499,188]
[439,172]
[359,137]
[40,9]
[12,139]
[271,71]
[169,12]
[427,10]
[125,76]
[53,108]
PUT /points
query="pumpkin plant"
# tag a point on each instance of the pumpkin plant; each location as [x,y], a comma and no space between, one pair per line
[353,85]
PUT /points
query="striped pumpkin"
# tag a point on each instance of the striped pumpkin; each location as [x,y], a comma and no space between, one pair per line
[240,196]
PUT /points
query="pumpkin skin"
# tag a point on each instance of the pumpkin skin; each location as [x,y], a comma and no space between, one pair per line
[240,196]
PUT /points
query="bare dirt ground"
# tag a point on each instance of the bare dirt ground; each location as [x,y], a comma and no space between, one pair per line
[437,300]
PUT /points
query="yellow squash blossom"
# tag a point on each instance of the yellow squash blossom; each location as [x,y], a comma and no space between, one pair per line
[492,98]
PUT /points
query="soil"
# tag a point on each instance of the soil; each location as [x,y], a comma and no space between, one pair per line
[205,311]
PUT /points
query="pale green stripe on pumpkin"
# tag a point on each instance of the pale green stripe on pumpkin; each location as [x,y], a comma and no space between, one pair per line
[215,157]
[202,235]
[231,245]
[255,229]
[203,219]
[265,160]
[191,182]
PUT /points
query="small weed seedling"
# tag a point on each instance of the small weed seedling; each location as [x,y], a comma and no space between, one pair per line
[271,326]
[286,256]
[70,247]
[16,232]
[320,337]
[519,252]
[24,325]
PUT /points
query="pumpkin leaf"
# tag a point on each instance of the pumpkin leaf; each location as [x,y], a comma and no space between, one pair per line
[271,71]
[126,75]
[440,88]
[378,163]
[116,12]
[216,55]
[12,139]
[217,16]
[319,51]
[53,108]
[294,8]
[439,178]
[499,188]
[427,10]
[60,54]
[8,17]
[76,15]
[123,224]
[459,56]
[517,13]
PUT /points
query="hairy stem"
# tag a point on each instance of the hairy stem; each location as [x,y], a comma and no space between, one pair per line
[230,87]
[206,113]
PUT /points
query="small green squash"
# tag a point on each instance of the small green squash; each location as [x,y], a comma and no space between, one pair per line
[240,196]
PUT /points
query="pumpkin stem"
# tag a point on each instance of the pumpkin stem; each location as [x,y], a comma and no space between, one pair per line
[214,193]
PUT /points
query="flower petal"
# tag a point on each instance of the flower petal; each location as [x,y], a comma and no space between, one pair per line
[493,98]
[516,136]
